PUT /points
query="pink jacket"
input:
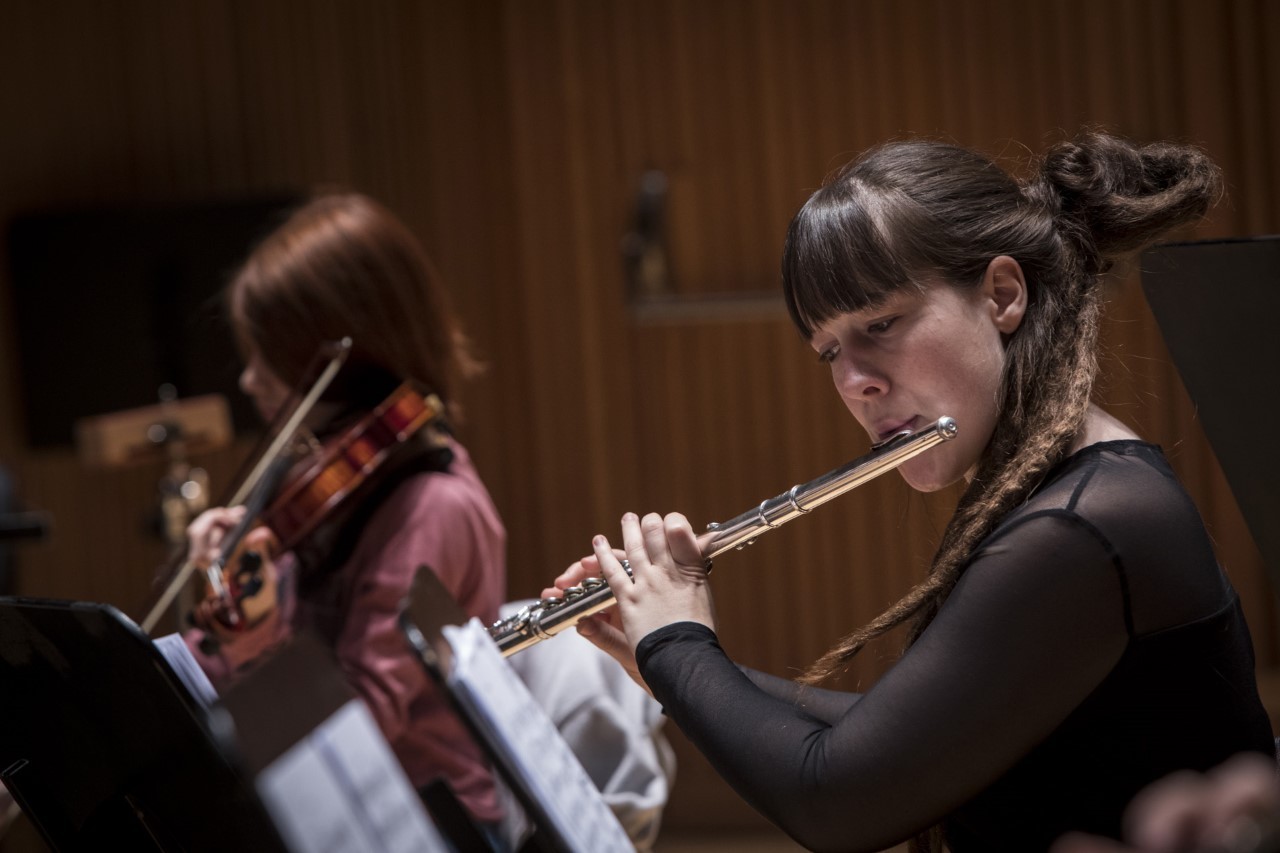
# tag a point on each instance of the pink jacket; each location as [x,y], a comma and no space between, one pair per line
[443,520]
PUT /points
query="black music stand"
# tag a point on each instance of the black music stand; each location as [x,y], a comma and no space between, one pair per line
[1217,303]
[567,811]
[103,748]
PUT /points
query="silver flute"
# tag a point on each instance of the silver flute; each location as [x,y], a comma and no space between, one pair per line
[547,617]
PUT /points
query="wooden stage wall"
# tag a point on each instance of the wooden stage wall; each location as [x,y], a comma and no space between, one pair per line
[512,136]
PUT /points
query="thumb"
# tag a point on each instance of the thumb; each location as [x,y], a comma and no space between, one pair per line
[608,638]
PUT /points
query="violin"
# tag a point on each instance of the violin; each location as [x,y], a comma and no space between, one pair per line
[294,485]
[350,460]
[313,490]
[259,484]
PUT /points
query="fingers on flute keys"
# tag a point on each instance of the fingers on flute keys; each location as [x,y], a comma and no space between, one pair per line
[647,536]
[617,571]
[653,541]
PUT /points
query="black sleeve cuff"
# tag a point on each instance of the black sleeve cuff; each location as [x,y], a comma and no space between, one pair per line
[667,635]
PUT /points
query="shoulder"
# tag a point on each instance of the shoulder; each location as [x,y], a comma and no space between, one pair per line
[437,497]
[436,517]
[445,520]
[1119,496]
[1116,509]
[1095,507]
[1106,485]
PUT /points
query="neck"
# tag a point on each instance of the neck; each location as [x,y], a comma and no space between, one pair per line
[1099,426]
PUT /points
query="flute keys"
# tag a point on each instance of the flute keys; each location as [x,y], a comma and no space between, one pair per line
[514,622]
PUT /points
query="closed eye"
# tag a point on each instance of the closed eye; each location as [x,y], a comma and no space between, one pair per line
[881,326]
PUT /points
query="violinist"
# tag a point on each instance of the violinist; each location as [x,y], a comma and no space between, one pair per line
[339,267]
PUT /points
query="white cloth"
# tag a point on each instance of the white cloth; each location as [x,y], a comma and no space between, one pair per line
[611,724]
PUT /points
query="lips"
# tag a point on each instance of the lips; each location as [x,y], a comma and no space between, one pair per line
[886,430]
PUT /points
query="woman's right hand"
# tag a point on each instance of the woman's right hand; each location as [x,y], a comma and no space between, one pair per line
[667,583]
[206,532]
[667,577]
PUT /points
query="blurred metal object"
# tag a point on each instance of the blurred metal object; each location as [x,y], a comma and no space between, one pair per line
[644,247]
[151,433]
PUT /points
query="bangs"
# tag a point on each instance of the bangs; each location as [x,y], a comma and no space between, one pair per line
[836,259]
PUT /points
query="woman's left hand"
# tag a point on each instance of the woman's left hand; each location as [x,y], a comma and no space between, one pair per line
[668,581]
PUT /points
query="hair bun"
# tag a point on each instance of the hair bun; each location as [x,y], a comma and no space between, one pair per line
[1111,196]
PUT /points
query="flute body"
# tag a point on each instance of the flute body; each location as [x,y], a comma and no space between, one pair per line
[549,616]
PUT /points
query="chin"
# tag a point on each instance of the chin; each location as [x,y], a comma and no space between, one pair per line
[930,479]
[925,486]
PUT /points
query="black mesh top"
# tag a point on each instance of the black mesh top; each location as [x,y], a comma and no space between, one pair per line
[1091,646]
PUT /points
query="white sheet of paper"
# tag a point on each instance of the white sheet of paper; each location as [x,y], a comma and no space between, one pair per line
[484,680]
[341,789]
[183,663]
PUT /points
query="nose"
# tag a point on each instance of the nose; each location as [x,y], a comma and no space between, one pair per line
[857,380]
[247,379]
[255,378]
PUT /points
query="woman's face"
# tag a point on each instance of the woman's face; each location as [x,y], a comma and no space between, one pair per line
[923,355]
[268,392]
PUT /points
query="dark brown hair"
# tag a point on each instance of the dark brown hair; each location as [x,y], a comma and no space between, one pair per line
[343,266]
[910,210]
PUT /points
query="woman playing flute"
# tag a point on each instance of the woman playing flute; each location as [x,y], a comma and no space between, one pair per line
[1075,638]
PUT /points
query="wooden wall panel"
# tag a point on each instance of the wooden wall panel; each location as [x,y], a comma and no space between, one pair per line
[511,136]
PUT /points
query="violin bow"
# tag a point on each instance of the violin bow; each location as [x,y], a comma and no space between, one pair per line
[284,436]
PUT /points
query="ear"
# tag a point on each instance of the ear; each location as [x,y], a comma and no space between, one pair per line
[1005,287]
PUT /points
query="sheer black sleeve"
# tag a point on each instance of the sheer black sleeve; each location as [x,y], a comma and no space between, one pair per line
[962,706]
[826,705]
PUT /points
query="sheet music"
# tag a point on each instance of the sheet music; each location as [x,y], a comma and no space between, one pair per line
[484,681]
[341,789]
[183,663]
